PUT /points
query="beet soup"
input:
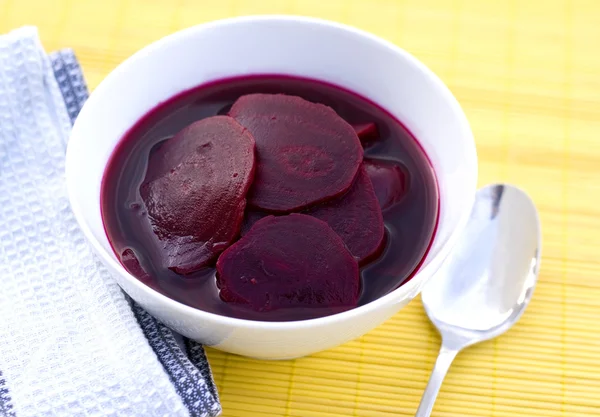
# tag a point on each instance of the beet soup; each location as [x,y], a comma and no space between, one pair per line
[377,176]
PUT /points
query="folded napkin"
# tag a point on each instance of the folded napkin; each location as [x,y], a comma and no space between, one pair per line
[71,343]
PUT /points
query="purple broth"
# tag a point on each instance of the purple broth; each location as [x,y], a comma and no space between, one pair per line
[410,223]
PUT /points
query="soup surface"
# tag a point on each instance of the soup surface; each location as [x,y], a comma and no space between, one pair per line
[408,196]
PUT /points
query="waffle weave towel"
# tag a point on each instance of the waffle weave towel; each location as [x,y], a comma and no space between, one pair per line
[71,343]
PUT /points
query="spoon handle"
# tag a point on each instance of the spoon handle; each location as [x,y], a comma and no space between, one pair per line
[442,364]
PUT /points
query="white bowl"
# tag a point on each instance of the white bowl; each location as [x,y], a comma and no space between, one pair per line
[307,47]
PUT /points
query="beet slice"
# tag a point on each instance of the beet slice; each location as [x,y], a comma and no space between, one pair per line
[131,263]
[306,153]
[251,217]
[195,191]
[356,217]
[289,261]
[366,132]
[390,181]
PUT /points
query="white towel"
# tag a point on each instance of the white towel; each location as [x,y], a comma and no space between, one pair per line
[71,343]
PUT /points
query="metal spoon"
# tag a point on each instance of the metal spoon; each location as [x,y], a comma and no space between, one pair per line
[486,283]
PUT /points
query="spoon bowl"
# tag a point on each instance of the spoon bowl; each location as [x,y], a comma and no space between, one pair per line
[485,285]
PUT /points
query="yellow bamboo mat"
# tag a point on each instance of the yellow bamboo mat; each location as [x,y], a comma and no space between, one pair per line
[527,73]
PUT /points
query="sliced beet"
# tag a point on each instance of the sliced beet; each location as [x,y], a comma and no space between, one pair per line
[251,217]
[306,153]
[132,265]
[390,181]
[289,261]
[356,217]
[366,132]
[195,191]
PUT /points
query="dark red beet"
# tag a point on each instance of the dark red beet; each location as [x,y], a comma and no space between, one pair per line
[389,179]
[289,261]
[306,153]
[132,265]
[251,217]
[195,191]
[366,132]
[356,217]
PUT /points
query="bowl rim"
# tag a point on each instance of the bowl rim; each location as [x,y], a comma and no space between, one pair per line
[393,297]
